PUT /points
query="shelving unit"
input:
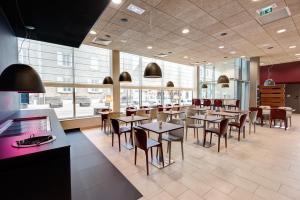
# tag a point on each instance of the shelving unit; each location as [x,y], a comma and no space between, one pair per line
[273,96]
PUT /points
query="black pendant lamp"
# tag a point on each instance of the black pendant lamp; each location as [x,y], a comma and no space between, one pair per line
[170,84]
[125,77]
[225,85]
[223,79]
[204,86]
[152,70]
[21,78]
[269,81]
[108,81]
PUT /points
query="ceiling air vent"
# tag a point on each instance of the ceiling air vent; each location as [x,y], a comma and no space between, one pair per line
[274,16]
[101,41]
[161,55]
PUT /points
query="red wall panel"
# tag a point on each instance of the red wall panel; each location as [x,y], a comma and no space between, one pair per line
[282,73]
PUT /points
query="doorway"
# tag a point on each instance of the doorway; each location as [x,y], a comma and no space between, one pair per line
[292,96]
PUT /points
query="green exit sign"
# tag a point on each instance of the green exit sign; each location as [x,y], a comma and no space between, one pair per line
[266,10]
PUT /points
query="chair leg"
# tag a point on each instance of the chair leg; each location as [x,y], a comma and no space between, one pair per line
[151,150]
[250,124]
[285,124]
[270,123]
[204,138]
[182,150]
[244,130]
[147,164]
[225,140]
[239,134]
[219,138]
[170,144]
[290,121]
[112,139]
[254,127]
[162,154]
[135,154]
[125,137]
[119,142]
[210,137]
[194,132]
[230,130]
[186,132]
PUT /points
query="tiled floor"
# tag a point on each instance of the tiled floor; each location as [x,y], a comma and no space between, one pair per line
[265,165]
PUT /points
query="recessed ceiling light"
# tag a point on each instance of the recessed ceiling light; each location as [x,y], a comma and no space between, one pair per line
[92,32]
[209,63]
[281,31]
[123,41]
[243,56]
[136,9]
[221,47]
[149,47]
[185,31]
[297,54]
[232,52]
[262,63]
[117,1]
[186,57]
[255,0]
[292,47]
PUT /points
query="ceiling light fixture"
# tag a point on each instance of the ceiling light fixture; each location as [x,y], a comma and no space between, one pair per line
[281,31]
[92,32]
[136,9]
[149,47]
[232,52]
[117,1]
[185,31]
[292,47]
[243,56]
[297,54]
[170,84]
[185,57]
[221,47]
[223,79]
[125,77]
[152,70]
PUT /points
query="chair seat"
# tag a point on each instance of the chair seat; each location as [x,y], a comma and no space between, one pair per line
[124,129]
[170,138]
[213,130]
[152,143]
[195,126]
[236,124]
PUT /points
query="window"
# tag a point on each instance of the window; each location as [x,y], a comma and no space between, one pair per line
[80,78]
[62,103]
[151,97]
[129,97]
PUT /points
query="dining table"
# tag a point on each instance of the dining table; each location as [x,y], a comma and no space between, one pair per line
[164,128]
[130,119]
[171,113]
[206,119]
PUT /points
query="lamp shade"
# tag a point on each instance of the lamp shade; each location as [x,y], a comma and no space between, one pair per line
[223,79]
[152,70]
[21,78]
[225,85]
[108,81]
[170,84]
[125,77]
[204,86]
[269,82]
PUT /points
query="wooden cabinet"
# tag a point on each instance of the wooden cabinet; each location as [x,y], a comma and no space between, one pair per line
[273,96]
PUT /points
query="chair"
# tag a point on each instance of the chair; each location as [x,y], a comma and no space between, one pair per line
[221,131]
[240,125]
[153,113]
[289,112]
[252,120]
[129,112]
[236,106]
[141,141]
[207,103]
[218,103]
[190,123]
[196,102]
[169,107]
[174,136]
[162,117]
[160,108]
[119,131]
[140,112]
[259,114]
[111,115]
[278,114]
[145,107]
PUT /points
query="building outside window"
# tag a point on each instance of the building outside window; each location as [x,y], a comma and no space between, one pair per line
[66,78]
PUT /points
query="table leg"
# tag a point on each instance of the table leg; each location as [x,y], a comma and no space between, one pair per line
[129,145]
[158,160]
[204,143]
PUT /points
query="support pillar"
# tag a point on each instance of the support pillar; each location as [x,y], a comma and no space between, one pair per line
[115,77]
[254,80]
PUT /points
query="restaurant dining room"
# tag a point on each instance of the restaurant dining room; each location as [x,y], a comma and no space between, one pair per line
[150,100]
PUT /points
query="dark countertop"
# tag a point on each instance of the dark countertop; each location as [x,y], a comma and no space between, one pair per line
[8,152]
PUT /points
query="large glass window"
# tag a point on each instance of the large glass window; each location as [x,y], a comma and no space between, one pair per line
[71,72]
[151,97]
